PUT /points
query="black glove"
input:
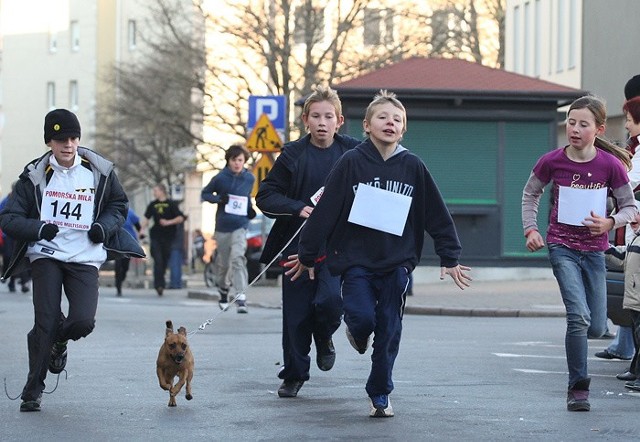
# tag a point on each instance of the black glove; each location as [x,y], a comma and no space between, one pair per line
[96,234]
[251,213]
[48,232]
[224,198]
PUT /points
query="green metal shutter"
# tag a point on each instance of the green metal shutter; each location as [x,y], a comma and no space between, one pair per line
[525,142]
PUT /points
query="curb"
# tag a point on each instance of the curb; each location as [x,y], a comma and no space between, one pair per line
[212,295]
[482,312]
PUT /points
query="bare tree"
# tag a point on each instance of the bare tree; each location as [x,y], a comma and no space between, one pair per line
[176,97]
[284,47]
[495,12]
[153,121]
[471,29]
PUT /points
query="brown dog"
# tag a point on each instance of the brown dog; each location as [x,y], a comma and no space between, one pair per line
[175,359]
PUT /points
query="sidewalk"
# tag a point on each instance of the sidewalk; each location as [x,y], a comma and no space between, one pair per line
[512,296]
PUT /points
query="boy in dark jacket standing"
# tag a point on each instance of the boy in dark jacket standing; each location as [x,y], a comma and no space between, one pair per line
[378,201]
[310,308]
[66,213]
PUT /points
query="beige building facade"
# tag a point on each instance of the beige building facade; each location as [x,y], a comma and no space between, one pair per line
[585,44]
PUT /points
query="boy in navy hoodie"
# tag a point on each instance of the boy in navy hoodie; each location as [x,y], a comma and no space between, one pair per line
[377,202]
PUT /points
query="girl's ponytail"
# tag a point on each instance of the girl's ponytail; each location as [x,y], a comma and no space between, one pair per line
[622,154]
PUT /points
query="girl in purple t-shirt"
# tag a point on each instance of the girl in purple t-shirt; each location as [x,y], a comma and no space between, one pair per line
[582,174]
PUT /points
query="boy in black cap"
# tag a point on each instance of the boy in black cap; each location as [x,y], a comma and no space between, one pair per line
[63,233]
[632,88]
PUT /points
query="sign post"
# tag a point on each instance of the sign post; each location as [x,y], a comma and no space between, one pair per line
[266,123]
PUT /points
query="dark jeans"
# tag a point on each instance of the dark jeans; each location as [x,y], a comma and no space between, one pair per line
[160,252]
[121,266]
[374,303]
[310,308]
[80,284]
[635,362]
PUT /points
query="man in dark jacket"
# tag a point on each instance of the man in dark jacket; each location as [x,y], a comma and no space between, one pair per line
[66,214]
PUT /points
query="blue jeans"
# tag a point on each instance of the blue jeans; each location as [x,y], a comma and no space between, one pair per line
[622,345]
[582,280]
[176,259]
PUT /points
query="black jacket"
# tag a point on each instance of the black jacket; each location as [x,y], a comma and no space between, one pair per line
[20,217]
[280,196]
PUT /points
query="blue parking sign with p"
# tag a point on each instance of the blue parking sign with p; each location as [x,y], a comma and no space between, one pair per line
[271,105]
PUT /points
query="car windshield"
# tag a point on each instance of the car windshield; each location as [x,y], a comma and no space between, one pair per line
[259,225]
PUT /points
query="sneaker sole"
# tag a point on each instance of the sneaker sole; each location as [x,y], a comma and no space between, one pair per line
[579,407]
[379,411]
[29,406]
[353,343]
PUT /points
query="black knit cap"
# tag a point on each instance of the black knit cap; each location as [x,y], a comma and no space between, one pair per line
[632,88]
[60,124]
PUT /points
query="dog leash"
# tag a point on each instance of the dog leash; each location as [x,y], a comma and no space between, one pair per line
[6,391]
[235,298]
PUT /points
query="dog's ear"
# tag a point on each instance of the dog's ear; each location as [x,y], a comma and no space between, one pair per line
[182,331]
[169,327]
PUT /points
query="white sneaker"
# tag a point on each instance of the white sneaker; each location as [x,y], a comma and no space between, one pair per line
[380,406]
[241,303]
[360,346]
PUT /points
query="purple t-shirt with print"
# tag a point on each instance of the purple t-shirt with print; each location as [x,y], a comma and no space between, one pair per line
[603,171]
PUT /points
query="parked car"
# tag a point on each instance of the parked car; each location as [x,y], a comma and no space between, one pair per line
[615,294]
[257,231]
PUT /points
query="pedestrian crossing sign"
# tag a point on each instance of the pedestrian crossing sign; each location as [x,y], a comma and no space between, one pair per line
[264,137]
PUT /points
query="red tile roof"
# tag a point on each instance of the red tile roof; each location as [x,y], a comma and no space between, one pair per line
[440,74]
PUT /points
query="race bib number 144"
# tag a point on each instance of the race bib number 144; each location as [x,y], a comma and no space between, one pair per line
[73,210]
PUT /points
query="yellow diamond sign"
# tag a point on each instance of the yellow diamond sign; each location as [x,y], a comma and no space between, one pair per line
[264,137]
[260,171]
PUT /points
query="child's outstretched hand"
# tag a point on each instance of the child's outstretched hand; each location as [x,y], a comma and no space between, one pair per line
[458,275]
[296,268]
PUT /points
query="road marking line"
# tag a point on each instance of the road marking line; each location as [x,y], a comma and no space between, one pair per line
[515,355]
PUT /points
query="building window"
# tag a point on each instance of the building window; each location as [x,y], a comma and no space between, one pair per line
[132,34]
[573,33]
[378,26]
[517,67]
[74,30]
[526,66]
[51,95]
[73,95]
[560,21]
[53,41]
[308,18]
[537,38]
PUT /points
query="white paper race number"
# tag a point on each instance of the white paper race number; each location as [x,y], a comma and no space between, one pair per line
[237,205]
[73,210]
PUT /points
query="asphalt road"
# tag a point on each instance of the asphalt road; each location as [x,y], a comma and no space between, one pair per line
[456,378]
